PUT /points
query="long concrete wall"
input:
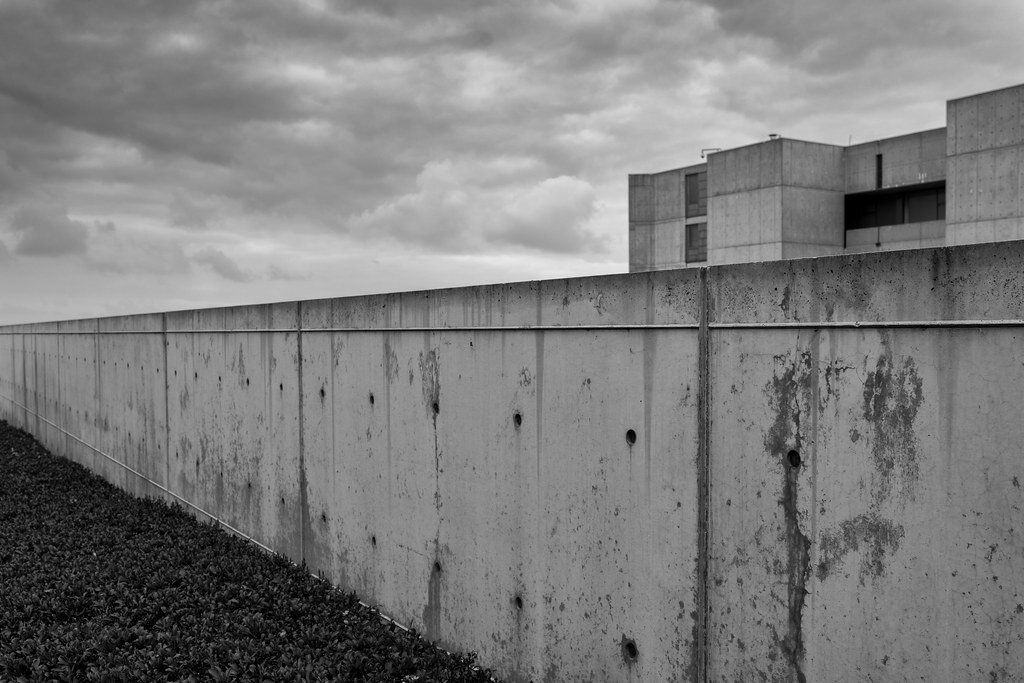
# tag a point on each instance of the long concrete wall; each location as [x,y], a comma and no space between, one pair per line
[800,470]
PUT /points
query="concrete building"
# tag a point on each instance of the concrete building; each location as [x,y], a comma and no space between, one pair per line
[783,199]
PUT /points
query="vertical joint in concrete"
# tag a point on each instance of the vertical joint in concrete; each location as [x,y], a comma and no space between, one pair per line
[303,504]
[167,401]
[701,646]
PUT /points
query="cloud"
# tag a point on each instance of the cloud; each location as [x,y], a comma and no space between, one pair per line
[280,274]
[469,206]
[469,129]
[221,264]
[47,231]
[183,212]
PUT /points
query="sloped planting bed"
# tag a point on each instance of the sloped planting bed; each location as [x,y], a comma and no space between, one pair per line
[97,585]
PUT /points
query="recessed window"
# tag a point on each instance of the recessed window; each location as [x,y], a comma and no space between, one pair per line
[696,189]
[696,242]
[895,207]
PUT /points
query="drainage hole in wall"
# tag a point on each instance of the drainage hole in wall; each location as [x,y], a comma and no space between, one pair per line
[246,381]
[281,386]
[373,541]
[323,392]
[629,650]
[630,437]
[436,408]
[371,398]
[794,459]
[517,419]
[437,567]
[218,378]
[519,602]
[197,375]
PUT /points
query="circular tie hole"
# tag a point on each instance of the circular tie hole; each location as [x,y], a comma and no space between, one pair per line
[794,459]
[630,437]
[281,386]
[373,541]
[323,392]
[519,602]
[371,398]
[517,419]
[246,381]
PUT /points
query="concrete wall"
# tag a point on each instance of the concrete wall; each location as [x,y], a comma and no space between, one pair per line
[985,167]
[906,160]
[377,438]
[776,199]
[657,219]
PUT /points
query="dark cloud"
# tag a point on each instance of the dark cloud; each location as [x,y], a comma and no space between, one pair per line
[185,213]
[221,264]
[42,230]
[462,127]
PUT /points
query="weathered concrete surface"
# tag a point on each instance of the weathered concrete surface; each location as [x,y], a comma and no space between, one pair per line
[893,550]
[539,472]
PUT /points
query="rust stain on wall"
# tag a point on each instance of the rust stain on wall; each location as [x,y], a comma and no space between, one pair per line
[877,537]
[892,397]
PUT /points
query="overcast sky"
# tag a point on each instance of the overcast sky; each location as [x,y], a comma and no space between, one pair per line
[186,153]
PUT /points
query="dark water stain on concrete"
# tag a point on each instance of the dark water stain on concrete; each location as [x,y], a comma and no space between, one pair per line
[790,397]
[798,570]
[432,612]
[877,536]
[430,375]
[390,361]
[892,397]
[786,393]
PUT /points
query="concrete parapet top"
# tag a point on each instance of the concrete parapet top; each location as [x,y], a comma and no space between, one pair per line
[976,282]
[973,282]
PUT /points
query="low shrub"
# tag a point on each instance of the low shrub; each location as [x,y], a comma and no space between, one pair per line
[96,585]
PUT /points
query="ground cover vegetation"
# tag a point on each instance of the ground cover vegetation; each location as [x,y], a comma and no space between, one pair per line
[96,585]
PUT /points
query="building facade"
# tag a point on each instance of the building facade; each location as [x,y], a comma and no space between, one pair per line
[783,198]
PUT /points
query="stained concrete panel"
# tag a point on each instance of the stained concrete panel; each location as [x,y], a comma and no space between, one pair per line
[581,552]
[986,120]
[745,168]
[668,195]
[77,375]
[812,216]
[812,165]
[906,160]
[852,535]
[641,197]
[233,419]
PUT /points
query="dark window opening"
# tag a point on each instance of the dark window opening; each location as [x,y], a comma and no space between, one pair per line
[696,190]
[696,242]
[897,206]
